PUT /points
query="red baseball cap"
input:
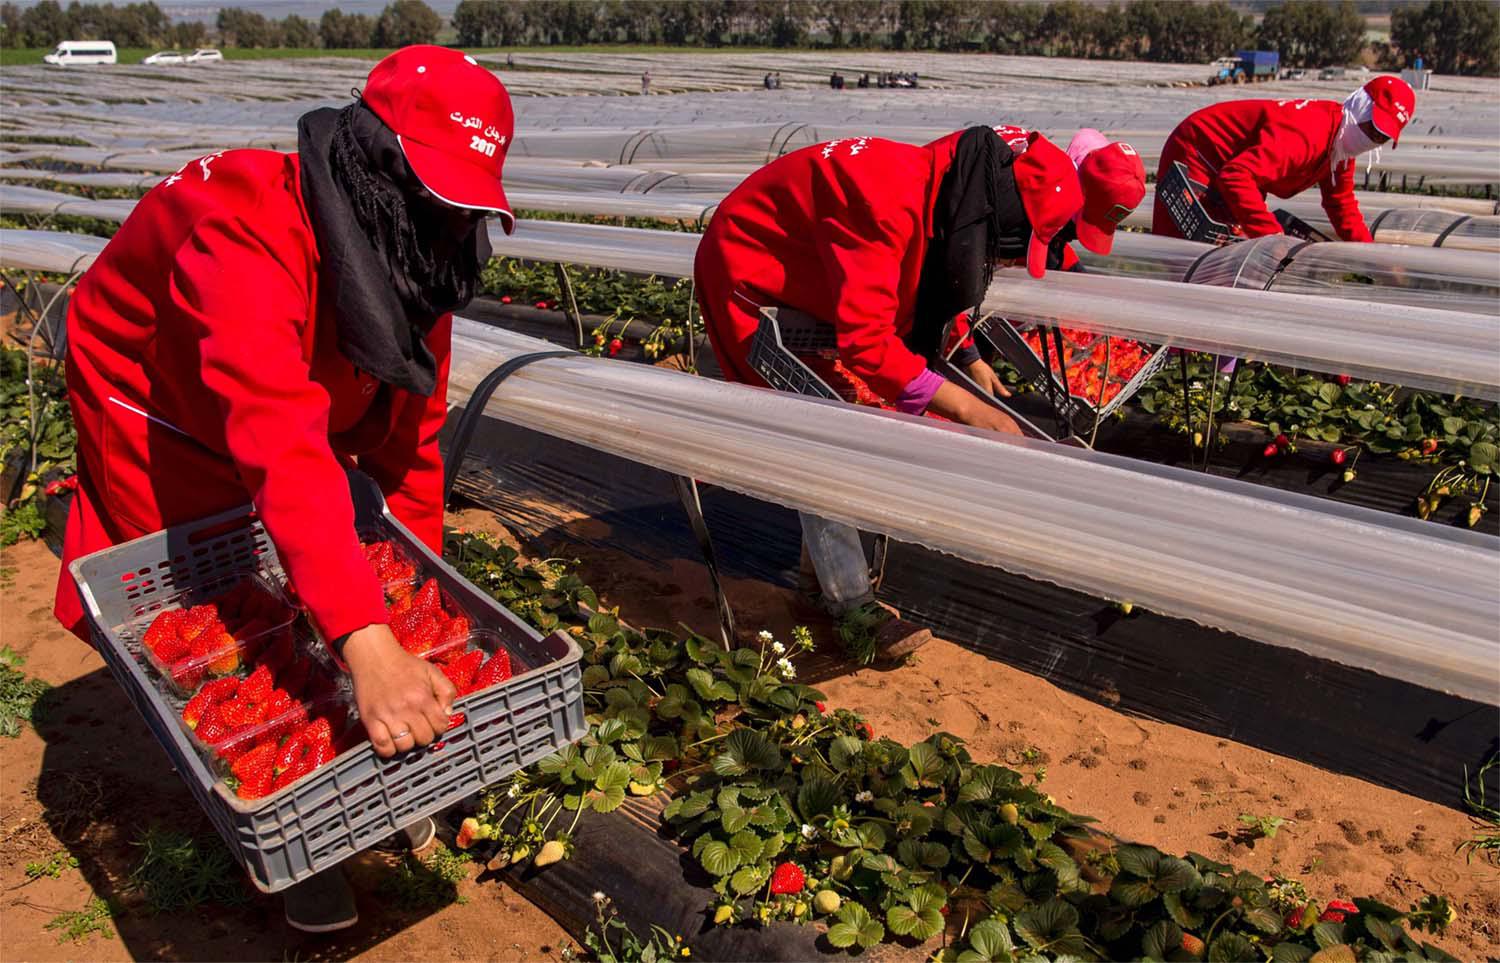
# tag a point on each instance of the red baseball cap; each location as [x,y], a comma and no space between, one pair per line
[1394,104]
[1114,183]
[453,120]
[1051,194]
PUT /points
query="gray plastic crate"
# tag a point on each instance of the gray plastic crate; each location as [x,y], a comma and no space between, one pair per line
[358,799]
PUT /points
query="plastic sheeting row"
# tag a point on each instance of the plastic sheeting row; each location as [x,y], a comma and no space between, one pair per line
[1449,351]
[1364,588]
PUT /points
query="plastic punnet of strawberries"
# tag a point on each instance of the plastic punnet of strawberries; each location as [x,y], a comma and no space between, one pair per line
[267,735]
[1084,355]
[215,638]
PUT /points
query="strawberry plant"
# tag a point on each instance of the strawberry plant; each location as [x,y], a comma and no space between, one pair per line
[798,811]
[1460,436]
[47,439]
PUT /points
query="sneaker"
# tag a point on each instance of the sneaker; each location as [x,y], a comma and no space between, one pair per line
[875,632]
[321,904]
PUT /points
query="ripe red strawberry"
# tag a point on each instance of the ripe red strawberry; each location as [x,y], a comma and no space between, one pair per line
[868,730]
[298,769]
[541,305]
[320,754]
[454,721]
[821,708]
[239,714]
[429,597]
[273,705]
[1295,917]
[424,637]
[290,753]
[318,732]
[614,347]
[504,299]
[1338,456]
[257,685]
[457,628]
[1271,451]
[1330,916]
[1282,441]
[261,758]
[1192,945]
[493,672]
[198,619]
[1429,445]
[192,713]
[461,671]
[164,637]
[1344,379]
[786,879]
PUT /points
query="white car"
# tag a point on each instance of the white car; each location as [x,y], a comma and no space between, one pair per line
[205,55]
[165,57]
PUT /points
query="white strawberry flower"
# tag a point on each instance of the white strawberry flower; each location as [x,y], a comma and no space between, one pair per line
[778,648]
[765,636]
[863,796]
[787,670]
[809,832]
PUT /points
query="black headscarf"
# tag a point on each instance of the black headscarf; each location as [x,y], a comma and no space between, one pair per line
[977,220]
[392,259]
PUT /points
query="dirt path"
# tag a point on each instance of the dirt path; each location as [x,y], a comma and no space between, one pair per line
[86,783]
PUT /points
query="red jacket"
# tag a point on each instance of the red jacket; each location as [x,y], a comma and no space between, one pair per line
[1246,149]
[202,375]
[837,230]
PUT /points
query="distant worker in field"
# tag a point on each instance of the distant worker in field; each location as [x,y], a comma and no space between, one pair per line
[1245,149]
[264,319]
[645,82]
[886,243]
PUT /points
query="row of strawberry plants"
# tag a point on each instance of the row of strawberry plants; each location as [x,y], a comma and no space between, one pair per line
[799,811]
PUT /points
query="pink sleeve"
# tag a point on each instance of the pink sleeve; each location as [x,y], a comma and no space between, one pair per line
[917,394]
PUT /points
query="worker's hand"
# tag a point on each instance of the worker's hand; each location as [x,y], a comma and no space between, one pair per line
[957,404]
[403,701]
[985,377]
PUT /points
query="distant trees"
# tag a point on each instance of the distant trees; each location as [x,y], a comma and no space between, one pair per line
[406,22]
[1453,36]
[345,31]
[1313,33]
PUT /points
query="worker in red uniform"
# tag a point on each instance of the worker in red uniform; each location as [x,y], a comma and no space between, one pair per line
[887,243]
[1246,149]
[263,320]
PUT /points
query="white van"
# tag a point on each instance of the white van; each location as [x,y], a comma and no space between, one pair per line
[73,53]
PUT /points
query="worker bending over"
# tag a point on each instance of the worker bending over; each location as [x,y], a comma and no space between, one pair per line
[1245,149]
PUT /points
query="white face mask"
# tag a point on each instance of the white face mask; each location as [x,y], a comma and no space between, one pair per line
[1351,141]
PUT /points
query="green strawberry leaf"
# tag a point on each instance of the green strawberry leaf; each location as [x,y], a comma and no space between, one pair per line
[1232,948]
[1163,938]
[747,846]
[746,880]
[918,924]
[746,750]
[817,797]
[855,926]
[989,942]
[718,859]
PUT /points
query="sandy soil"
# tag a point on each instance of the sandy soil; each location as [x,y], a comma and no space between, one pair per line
[87,783]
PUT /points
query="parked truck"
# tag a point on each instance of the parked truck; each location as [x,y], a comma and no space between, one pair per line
[1246,66]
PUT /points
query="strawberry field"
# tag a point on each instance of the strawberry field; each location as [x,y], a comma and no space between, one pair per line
[1069,772]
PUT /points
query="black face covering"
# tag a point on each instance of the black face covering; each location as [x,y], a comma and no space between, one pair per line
[392,259]
[978,219]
